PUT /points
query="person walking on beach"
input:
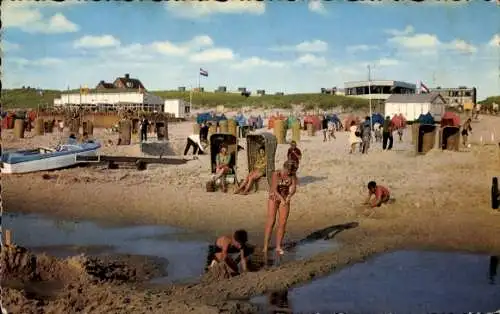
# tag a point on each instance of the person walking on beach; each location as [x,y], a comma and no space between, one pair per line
[144,129]
[225,246]
[204,132]
[354,136]
[387,137]
[324,127]
[61,126]
[381,193]
[466,128]
[366,135]
[283,187]
[294,154]
[331,130]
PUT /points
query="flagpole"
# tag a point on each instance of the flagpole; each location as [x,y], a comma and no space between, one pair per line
[370,95]
[191,97]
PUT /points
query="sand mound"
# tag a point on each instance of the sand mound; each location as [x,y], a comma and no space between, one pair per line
[219,271]
[21,265]
[17,262]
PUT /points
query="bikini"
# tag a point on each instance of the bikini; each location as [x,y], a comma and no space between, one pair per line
[283,187]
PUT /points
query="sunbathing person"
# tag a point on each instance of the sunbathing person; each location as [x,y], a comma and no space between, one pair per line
[225,246]
[259,169]
[382,194]
[222,167]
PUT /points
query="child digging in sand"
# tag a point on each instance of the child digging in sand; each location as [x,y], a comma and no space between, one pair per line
[381,193]
[224,247]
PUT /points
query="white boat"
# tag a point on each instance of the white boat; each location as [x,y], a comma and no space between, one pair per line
[42,159]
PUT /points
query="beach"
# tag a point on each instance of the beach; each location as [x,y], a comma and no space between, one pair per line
[442,203]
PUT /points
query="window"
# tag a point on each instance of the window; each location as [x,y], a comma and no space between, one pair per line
[129,84]
[467,94]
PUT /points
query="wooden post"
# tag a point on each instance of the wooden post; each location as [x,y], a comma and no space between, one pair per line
[8,237]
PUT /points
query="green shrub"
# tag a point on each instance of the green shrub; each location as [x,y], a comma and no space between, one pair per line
[29,98]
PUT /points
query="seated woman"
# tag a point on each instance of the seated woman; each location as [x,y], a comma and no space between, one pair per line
[222,168]
[259,169]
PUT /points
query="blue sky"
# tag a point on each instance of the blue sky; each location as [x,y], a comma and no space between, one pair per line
[277,46]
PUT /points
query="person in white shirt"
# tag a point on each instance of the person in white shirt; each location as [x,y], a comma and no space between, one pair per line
[195,142]
[61,125]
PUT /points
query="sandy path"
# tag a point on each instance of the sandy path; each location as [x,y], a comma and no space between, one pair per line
[442,202]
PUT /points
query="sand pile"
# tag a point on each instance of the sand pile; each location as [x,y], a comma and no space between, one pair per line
[18,263]
[32,282]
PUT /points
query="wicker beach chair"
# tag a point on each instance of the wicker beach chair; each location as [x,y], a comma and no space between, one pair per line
[269,142]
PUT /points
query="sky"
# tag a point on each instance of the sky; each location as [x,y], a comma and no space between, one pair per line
[276,46]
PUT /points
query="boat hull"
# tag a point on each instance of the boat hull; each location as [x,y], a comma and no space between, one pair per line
[43,164]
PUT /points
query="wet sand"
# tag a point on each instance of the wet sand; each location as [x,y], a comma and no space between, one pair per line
[442,203]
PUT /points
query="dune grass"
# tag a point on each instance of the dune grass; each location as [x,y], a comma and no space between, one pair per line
[488,102]
[30,98]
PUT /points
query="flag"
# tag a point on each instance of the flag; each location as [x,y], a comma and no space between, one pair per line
[424,88]
[203,72]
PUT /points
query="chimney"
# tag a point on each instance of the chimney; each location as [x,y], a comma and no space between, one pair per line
[127,76]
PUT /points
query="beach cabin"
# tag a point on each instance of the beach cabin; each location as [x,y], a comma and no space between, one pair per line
[178,107]
[413,105]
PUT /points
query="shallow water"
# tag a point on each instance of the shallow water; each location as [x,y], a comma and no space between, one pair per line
[184,251]
[400,282]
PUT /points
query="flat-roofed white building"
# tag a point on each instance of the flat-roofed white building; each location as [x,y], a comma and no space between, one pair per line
[378,89]
[112,100]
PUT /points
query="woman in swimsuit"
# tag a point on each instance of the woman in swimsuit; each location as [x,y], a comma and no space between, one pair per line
[465,130]
[283,187]
[259,169]
[222,162]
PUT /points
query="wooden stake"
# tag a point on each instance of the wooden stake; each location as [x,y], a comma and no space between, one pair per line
[8,237]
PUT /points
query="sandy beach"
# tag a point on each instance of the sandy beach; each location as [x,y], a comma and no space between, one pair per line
[442,202]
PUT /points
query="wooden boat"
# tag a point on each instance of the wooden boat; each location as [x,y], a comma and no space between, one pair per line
[42,158]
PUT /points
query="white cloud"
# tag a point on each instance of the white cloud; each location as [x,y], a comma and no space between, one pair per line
[312,46]
[317,6]
[311,60]
[197,9]
[213,55]
[495,41]
[388,62]
[170,49]
[416,41]
[184,48]
[357,48]
[44,62]
[257,62]
[8,46]
[427,44]
[397,32]
[306,46]
[462,46]
[200,41]
[89,41]
[28,17]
